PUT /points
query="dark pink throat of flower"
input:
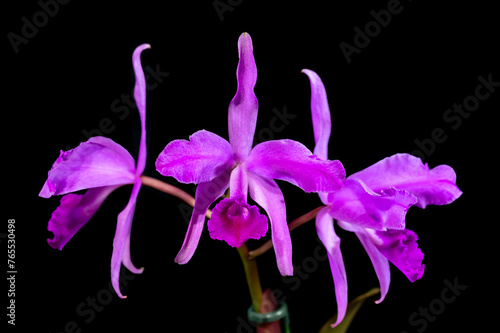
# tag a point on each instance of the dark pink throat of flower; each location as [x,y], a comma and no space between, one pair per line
[235,221]
[238,212]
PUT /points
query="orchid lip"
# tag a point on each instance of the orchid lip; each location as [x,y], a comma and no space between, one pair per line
[235,221]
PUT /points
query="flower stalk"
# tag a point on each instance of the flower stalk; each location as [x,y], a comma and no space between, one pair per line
[252,275]
[292,225]
[169,189]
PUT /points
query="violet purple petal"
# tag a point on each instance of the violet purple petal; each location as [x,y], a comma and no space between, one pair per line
[74,212]
[266,193]
[140,100]
[121,254]
[320,112]
[206,194]
[243,109]
[95,163]
[435,186]
[327,235]
[291,161]
[356,203]
[204,157]
[379,261]
[401,248]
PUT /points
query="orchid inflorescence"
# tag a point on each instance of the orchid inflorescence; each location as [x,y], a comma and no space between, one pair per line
[372,203]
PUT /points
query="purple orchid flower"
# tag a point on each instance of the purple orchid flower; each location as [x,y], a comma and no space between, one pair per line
[101,166]
[216,164]
[373,204]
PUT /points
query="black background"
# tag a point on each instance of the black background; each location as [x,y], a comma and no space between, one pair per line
[64,81]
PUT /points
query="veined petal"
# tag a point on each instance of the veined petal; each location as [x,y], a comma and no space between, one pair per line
[206,194]
[235,221]
[379,261]
[95,163]
[356,203]
[327,235]
[140,100]
[121,242]
[320,112]
[268,195]
[243,109]
[199,160]
[435,186]
[291,161]
[401,248]
[74,212]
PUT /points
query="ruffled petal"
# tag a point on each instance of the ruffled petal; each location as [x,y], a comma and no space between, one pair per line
[435,186]
[235,221]
[401,248]
[327,235]
[356,203]
[140,100]
[204,157]
[268,195]
[74,212]
[121,242]
[206,194]
[379,261]
[95,163]
[320,112]
[243,109]
[291,161]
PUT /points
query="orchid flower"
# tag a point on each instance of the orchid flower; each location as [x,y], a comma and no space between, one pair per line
[99,165]
[216,164]
[373,204]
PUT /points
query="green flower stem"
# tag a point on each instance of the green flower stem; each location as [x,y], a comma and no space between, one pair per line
[292,225]
[252,275]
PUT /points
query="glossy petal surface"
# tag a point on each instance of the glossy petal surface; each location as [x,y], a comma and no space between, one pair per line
[74,212]
[401,248]
[359,205]
[140,100]
[95,163]
[206,194]
[204,157]
[242,115]
[327,235]
[268,195]
[320,113]
[291,161]
[379,261]
[435,186]
[121,242]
